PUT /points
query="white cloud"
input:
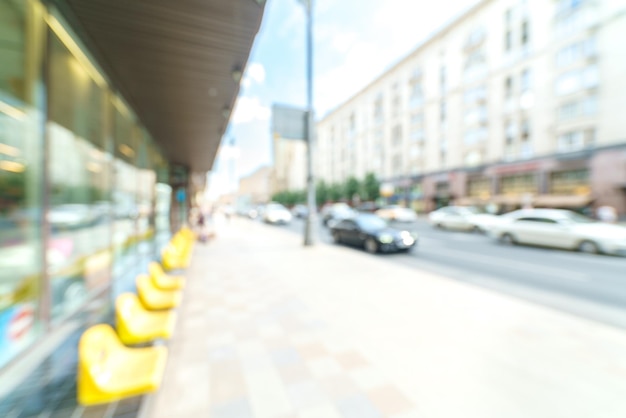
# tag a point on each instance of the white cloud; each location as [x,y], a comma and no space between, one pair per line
[249,109]
[255,73]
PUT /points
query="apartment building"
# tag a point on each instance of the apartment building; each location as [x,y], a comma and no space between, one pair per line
[516,102]
[257,187]
[289,164]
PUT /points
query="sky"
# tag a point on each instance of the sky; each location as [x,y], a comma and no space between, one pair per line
[355,41]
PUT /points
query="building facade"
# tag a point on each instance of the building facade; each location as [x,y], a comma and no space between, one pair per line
[289,165]
[257,187]
[514,103]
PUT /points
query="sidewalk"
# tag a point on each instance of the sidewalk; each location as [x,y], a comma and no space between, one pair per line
[269,329]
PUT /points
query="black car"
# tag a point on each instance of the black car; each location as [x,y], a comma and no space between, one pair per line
[372,233]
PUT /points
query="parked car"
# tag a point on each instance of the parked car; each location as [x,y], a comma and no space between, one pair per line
[461,217]
[560,229]
[397,213]
[367,207]
[300,211]
[372,233]
[276,213]
[336,212]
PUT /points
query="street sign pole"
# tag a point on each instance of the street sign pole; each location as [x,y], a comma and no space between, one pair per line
[309,225]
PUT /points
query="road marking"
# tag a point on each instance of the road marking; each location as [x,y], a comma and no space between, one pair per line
[516,265]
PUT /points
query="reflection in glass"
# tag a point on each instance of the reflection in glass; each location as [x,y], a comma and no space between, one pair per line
[80,210]
[20,174]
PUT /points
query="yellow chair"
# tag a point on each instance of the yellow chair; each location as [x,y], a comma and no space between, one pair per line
[174,259]
[109,371]
[153,298]
[162,280]
[136,325]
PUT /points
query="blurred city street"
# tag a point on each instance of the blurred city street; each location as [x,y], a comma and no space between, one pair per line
[588,285]
[326,331]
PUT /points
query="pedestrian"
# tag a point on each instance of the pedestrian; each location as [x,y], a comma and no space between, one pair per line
[201,225]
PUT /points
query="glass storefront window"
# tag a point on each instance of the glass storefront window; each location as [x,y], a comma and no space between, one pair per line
[518,184]
[79,216]
[21,142]
[572,182]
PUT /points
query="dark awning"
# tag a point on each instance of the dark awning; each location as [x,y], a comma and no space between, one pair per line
[174,63]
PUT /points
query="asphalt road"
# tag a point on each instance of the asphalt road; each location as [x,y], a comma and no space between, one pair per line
[591,286]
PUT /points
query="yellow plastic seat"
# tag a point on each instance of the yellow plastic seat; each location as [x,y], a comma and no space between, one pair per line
[174,259]
[109,371]
[136,325]
[163,280]
[153,298]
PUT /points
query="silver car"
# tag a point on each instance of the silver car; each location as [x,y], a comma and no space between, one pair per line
[560,229]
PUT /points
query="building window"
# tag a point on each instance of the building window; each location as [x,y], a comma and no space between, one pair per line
[476,94]
[417,118]
[525,35]
[442,112]
[578,108]
[479,187]
[417,97]
[508,40]
[442,79]
[571,141]
[518,184]
[575,52]
[397,135]
[576,80]
[508,16]
[570,182]
[474,136]
[508,87]
[379,110]
[510,132]
[477,115]
[525,81]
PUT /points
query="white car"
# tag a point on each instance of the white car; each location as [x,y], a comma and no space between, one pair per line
[460,217]
[276,213]
[397,213]
[560,229]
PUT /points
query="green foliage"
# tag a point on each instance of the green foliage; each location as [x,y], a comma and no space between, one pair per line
[290,198]
[336,192]
[371,187]
[322,193]
[352,187]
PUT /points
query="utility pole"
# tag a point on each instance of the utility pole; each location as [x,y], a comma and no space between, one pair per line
[309,225]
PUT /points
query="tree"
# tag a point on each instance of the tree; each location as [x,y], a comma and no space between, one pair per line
[321,194]
[371,187]
[352,188]
[335,192]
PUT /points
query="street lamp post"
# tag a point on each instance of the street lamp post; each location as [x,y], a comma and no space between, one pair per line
[309,230]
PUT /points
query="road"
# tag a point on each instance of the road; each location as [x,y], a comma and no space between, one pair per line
[591,286]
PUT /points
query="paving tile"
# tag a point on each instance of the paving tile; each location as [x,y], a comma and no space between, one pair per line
[357,406]
[270,330]
[324,367]
[285,356]
[367,378]
[321,411]
[350,360]
[267,393]
[312,350]
[295,372]
[239,408]
[222,353]
[339,386]
[306,394]
[227,386]
[389,400]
